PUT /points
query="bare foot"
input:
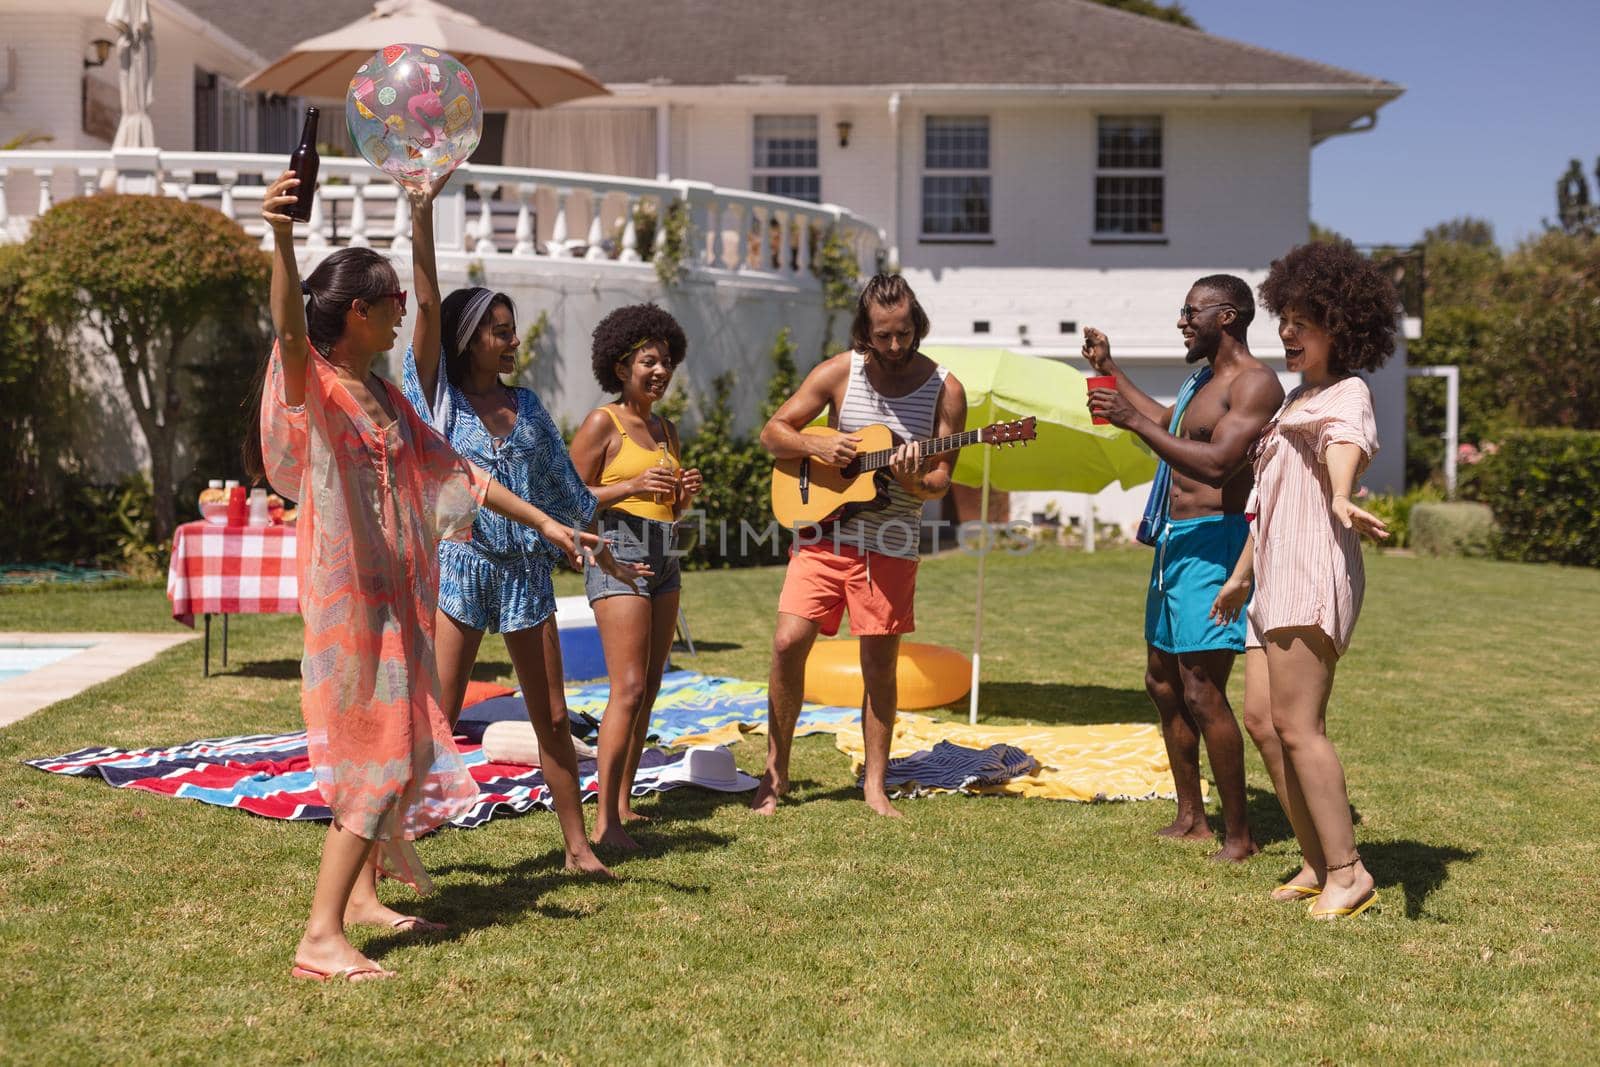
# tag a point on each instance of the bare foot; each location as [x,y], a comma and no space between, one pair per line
[1348,895]
[586,862]
[1235,851]
[327,956]
[879,802]
[1188,828]
[629,815]
[767,794]
[375,914]
[614,837]
[1299,887]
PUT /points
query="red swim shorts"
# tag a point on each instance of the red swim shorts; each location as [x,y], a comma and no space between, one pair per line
[879,591]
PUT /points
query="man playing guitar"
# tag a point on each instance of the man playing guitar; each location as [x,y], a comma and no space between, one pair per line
[867,561]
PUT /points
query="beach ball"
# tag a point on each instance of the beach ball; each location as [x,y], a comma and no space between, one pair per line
[413,112]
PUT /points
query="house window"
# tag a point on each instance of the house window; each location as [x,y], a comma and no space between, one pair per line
[785,159]
[230,119]
[1129,186]
[955,177]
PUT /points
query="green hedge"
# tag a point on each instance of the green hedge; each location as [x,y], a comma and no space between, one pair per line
[1452,528]
[1544,488]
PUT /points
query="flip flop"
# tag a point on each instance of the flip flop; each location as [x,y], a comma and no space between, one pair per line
[417,924]
[1301,892]
[344,974]
[1343,913]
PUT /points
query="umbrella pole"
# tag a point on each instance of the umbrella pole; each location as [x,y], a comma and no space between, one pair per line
[983,552]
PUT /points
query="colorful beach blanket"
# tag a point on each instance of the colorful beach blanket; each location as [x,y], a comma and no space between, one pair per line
[270,775]
[691,709]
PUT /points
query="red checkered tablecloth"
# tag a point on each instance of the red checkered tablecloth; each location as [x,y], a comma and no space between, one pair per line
[232,570]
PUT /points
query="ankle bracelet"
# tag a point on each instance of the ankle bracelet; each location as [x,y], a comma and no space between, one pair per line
[1341,866]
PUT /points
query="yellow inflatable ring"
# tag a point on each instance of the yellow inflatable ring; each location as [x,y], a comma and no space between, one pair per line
[927,676]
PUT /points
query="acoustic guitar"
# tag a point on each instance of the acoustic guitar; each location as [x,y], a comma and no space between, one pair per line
[806,490]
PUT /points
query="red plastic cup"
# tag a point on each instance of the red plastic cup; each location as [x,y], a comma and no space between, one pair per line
[1101,381]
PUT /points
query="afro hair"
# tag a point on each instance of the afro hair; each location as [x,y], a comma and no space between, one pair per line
[1346,293]
[624,330]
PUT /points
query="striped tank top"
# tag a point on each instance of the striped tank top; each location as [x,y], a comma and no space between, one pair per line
[893,530]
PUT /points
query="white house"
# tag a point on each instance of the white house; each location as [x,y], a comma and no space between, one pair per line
[1034,166]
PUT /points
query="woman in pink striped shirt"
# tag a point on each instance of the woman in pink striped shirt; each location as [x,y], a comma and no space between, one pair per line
[1337,314]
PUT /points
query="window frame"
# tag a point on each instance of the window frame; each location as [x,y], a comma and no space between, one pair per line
[924,236]
[1159,172]
[758,173]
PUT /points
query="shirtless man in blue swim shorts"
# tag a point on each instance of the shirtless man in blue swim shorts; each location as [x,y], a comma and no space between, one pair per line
[1196,524]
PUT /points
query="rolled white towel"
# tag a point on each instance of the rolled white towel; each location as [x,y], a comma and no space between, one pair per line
[515,742]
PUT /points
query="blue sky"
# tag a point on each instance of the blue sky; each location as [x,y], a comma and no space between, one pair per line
[1499,96]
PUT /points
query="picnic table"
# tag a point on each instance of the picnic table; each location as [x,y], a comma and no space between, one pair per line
[231,570]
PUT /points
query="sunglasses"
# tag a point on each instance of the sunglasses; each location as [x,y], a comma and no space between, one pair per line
[1189,311]
[399,296]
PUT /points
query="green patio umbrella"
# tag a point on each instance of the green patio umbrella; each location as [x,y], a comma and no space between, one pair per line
[1071,454]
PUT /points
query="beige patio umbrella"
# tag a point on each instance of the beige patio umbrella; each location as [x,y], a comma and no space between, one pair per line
[510,73]
[136,64]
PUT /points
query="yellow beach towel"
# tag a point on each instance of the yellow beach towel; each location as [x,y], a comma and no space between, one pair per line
[1115,761]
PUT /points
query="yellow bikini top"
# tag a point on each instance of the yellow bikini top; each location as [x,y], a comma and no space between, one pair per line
[632,460]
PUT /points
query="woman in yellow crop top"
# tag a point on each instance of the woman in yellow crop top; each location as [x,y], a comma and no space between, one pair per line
[628,456]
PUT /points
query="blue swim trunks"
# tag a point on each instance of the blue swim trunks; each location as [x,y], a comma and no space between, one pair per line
[1193,559]
[488,591]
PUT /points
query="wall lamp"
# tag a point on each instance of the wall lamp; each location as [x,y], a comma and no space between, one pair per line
[843,126]
[102,52]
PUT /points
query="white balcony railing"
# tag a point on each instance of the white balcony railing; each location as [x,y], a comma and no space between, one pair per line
[488,212]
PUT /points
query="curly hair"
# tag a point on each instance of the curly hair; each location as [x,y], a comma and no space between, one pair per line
[624,330]
[1345,293]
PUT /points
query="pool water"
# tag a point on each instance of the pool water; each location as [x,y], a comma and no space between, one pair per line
[15,662]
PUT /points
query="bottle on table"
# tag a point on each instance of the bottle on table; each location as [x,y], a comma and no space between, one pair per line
[238,505]
[258,508]
[304,162]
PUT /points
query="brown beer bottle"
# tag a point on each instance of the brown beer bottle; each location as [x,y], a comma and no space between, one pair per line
[304,163]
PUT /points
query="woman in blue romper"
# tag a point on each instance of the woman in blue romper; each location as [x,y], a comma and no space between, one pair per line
[500,580]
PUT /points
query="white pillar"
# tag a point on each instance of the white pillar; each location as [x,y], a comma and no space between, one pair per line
[525,244]
[630,238]
[358,211]
[485,245]
[46,177]
[315,238]
[803,235]
[401,241]
[596,237]
[663,142]
[228,179]
[558,234]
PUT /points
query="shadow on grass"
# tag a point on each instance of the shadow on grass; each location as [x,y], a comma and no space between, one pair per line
[708,646]
[276,669]
[691,805]
[1056,704]
[1418,868]
[1268,823]
[503,893]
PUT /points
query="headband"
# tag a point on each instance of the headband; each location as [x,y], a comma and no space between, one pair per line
[305,287]
[477,304]
[640,343]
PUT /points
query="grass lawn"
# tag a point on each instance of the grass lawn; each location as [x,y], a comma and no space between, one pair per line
[974,930]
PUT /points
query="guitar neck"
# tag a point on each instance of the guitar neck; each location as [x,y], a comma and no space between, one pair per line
[932,446]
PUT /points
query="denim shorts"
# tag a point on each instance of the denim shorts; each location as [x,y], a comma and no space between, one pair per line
[635,540]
